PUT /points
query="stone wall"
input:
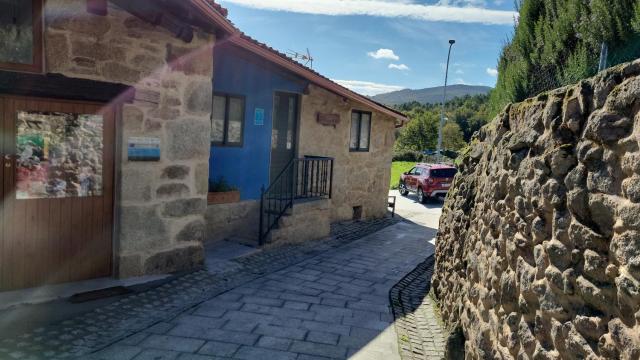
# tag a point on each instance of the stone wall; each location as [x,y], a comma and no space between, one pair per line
[307,221]
[236,221]
[538,253]
[160,205]
[361,178]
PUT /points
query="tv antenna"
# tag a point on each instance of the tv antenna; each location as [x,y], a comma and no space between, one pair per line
[307,59]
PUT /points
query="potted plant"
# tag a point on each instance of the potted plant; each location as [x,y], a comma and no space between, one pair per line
[220,192]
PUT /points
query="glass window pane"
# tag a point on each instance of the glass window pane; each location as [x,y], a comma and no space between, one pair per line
[275,133]
[59,155]
[217,119]
[355,119]
[365,125]
[291,122]
[16,31]
[236,113]
[443,173]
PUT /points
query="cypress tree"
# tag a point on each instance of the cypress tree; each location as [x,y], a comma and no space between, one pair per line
[557,42]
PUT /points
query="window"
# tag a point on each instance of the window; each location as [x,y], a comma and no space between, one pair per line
[21,34]
[412,171]
[360,131]
[443,173]
[227,120]
[59,155]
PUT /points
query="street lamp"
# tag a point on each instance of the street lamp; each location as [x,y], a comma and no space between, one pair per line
[444,100]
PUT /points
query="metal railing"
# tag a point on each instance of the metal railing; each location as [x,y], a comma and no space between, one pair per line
[308,178]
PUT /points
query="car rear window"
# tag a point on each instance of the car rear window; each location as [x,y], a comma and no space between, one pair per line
[443,173]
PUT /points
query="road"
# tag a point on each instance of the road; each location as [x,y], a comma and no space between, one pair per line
[408,207]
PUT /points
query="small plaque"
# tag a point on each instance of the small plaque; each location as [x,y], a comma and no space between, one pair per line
[259,117]
[328,119]
[143,149]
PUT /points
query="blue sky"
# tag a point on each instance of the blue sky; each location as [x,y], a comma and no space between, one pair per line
[375,46]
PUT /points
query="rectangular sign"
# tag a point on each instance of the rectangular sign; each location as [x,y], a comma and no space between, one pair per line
[143,149]
[259,117]
[328,119]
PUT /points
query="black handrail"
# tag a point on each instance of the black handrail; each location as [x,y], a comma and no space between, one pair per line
[309,178]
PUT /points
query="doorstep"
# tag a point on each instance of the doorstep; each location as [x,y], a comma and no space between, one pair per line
[48,293]
[219,255]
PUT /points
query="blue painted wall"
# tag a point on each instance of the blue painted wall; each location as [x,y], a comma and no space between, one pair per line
[238,72]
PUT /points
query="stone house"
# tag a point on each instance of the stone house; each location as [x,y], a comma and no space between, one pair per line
[302,150]
[107,140]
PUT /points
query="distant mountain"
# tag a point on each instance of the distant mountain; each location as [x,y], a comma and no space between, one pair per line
[429,95]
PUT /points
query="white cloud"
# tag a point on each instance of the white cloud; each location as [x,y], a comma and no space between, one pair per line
[401,67]
[492,72]
[463,3]
[459,71]
[368,88]
[385,8]
[384,54]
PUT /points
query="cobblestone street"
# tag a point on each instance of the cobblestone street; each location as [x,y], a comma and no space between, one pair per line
[327,299]
[334,305]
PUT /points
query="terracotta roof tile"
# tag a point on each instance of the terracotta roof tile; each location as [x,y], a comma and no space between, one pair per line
[219,8]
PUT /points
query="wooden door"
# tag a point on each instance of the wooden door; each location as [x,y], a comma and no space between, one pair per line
[284,131]
[57,173]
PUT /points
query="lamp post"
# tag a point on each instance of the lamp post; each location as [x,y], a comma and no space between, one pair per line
[444,101]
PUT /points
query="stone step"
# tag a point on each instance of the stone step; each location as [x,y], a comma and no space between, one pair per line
[244,239]
[308,221]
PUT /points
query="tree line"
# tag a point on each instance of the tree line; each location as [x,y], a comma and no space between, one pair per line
[464,116]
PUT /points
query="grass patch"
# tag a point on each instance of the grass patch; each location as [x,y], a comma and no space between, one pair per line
[397,168]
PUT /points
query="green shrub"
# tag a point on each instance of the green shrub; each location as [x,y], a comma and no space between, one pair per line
[407,155]
[220,185]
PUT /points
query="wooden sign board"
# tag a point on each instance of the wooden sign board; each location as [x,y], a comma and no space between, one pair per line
[328,119]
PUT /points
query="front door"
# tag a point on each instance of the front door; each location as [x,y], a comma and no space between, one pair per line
[284,131]
[56,179]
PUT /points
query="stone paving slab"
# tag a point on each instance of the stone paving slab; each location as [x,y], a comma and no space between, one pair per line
[125,318]
[325,300]
[420,334]
[350,318]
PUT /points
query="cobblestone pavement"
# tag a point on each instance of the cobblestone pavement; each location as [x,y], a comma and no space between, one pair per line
[333,305]
[420,334]
[326,297]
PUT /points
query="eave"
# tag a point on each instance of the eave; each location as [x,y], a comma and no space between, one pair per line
[270,55]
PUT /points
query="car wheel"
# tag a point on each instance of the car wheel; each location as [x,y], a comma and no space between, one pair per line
[403,190]
[421,198]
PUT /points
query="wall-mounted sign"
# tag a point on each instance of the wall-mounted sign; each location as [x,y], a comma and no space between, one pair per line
[328,119]
[259,117]
[143,149]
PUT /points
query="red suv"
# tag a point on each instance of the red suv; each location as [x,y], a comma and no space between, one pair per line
[427,180]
